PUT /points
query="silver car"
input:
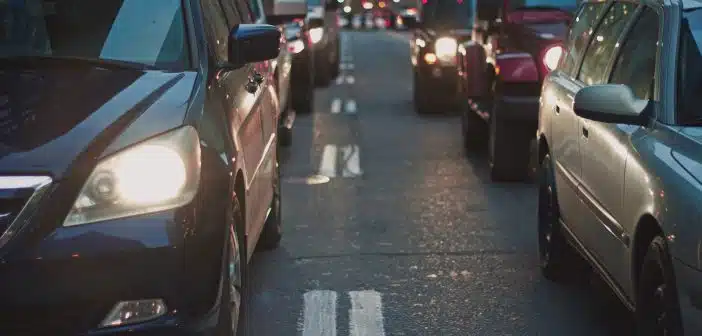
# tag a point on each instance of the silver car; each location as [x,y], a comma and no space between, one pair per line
[620,149]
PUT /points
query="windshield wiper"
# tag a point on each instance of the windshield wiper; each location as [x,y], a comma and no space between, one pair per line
[98,62]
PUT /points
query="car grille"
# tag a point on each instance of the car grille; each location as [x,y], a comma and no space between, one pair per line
[17,195]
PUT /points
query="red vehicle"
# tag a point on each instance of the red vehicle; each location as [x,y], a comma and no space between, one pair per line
[514,45]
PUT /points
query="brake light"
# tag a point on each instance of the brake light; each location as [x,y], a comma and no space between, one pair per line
[552,56]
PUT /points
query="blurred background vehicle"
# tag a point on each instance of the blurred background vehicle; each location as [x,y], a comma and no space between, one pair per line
[515,45]
[302,74]
[442,25]
[322,18]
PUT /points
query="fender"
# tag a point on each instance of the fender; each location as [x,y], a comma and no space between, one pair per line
[516,67]
[475,71]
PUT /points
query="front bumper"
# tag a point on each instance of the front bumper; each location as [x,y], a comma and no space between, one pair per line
[689,283]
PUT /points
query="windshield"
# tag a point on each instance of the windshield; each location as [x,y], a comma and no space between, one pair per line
[146,32]
[448,14]
[690,69]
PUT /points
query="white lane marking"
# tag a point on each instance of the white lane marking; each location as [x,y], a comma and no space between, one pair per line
[336,106]
[319,317]
[366,314]
[346,66]
[327,167]
[352,161]
[350,107]
[340,80]
[350,79]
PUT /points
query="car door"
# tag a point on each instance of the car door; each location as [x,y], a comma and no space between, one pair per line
[266,110]
[605,146]
[243,111]
[558,94]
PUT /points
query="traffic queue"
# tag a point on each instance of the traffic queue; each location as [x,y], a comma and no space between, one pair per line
[598,101]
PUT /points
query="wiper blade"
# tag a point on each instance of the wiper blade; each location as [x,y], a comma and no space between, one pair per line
[98,62]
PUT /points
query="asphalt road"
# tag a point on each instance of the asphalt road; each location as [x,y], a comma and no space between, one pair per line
[407,236]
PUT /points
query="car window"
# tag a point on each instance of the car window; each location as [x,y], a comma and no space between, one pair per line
[602,44]
[217,28]
[690,69]
[146,32]
[246,15]
[256,9]
[636,64]
[230,11]
[579,35]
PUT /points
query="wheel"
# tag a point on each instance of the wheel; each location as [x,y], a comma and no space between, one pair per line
[557,259]
[234,288]
[421,104]
[271,234]
[657,308]
[508,149]
[473,128]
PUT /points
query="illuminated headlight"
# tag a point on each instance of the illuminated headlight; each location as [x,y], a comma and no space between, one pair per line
[445,48]
[552,56]
[296,46]
[159,174]
[316,34]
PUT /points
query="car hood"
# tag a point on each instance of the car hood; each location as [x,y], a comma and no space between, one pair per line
[52,118]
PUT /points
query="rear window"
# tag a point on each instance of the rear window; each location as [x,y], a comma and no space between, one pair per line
[549,30]
[690,68]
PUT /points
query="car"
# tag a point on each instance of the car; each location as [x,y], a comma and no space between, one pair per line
[442,25]
[620,152]
[501,70]
[280,14]
[302,72]
[324,33]
[139,169]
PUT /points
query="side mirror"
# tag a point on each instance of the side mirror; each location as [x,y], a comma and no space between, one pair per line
[249,43]
[285,11]
[611,103]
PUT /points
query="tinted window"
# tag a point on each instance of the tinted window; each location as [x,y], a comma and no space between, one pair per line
[217,28]
[579,34]
[448,14]
[231,13]
[603,42]
[636,63]
[690,68]
[256,9]
[147,32]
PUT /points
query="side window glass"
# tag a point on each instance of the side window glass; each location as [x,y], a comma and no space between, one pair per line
[636,64]
[580,31]
[603,43]
[256,9]
[246,15]
[231,13]
[217,28]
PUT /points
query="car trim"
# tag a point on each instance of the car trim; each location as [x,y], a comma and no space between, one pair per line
[40,185]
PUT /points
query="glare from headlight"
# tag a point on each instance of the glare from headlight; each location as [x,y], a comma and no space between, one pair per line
[296,46]
[445,47]
[552,56]
[316,34]
[150,174]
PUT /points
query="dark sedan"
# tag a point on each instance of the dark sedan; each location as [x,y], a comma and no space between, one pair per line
[138,165]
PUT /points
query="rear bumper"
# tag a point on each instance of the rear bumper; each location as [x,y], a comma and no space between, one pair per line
[689,283]
[438,80]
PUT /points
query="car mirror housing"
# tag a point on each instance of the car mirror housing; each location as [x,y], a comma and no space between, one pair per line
[611,103]
[249,43]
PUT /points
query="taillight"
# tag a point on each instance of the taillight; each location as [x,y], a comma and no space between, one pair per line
[552,56]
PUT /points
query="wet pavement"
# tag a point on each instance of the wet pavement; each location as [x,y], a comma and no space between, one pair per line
[404,234]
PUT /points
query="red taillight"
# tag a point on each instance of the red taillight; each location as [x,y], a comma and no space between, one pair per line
[551,57]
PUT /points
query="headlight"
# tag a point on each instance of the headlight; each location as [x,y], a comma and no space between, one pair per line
[316,34]
[552,56]
[159,174]
[445,48]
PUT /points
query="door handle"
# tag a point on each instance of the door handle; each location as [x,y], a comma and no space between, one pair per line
[586,133]
[258,78]
[251,86]
[557,109]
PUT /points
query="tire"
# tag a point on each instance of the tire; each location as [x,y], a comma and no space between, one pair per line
[234,292]
[657,307]
[557,259]
[272,233]
[473,129]
[508,149]
[421,104]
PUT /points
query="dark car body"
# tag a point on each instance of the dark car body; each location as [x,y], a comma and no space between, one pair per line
[501,70]
[302,73]
[323,22]
[435,72]
[138,165]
